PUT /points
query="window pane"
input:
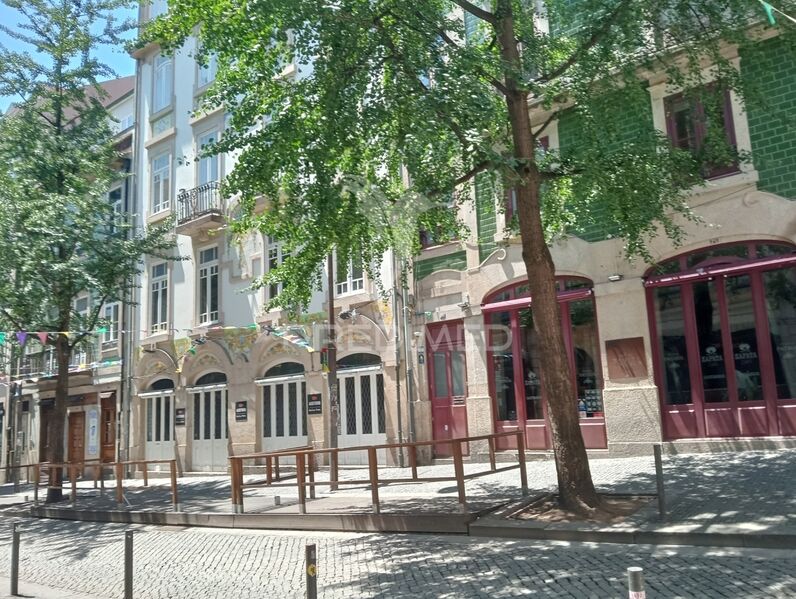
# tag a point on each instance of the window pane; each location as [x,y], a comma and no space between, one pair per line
[292,406]
[149,419]
[218,415]
[207,414]
[380,402]
[708,322]
[197,417]
[440,374]
[740,308]
[303,408]
[158,407]
[458,373]
[267,411]
[671,339]
[780,289]
[587,369]
[280,410]
[364,401]
[167,418]
[531,367]
[350,406]
[502,362]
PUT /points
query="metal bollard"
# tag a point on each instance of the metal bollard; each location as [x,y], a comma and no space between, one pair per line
[635,583]
[128,564]
[659,480]
[14,560]
[277,500]
[312,571]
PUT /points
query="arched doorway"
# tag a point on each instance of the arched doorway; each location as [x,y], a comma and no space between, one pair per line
[514,355]
[284,406]
[360,388]
[159,419]
[722,321]
[210,431]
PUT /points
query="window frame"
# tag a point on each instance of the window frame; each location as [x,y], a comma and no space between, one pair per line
[207,278]
[111,336]
[162,66]
[159,288]
[350,285]
[164,200]
[213,161]
[212,68]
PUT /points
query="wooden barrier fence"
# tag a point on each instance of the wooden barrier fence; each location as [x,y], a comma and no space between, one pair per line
[72,469]
[306,466]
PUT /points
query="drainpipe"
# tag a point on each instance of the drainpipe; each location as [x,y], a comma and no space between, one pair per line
[410,383]
[397,343]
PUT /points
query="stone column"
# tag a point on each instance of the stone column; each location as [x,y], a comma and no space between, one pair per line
[479,403]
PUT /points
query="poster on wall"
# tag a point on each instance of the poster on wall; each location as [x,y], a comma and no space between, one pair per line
[93,432]
[179,417]
[241,411]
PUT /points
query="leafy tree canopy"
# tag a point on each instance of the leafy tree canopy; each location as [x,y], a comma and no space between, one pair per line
[388,84]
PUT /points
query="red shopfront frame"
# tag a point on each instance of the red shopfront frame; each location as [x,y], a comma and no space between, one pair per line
[767,416]
[537,432]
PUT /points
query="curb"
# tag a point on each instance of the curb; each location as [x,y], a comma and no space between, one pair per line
[630,536]
[343,522]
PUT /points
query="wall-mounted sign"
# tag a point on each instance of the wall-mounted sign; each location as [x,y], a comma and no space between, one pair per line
[241,411]
[179,417]
[314,404]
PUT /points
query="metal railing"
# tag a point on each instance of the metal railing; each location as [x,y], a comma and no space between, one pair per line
[306,467]
[196,202]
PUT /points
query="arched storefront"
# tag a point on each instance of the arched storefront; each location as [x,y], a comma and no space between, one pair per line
[723,324]
[284,406]
[515,370]
[159,414]
[210,432]
[360,389]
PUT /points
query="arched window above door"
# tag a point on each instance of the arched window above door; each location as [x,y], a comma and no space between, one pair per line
[211,378]
[285,369]
[162,385]
[721,255]
[358,361]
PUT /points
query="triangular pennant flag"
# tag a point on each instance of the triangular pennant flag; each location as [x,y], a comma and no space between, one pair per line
[22,336]
[42,337]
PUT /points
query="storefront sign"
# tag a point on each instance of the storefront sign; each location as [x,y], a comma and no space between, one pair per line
[93,432]
[179,417]
[314,405]
[241,411]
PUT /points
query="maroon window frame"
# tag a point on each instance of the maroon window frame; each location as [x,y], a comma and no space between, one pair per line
[510,194]
[694,137]
[699,417]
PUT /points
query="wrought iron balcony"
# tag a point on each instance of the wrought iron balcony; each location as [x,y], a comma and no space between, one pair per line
[193,204]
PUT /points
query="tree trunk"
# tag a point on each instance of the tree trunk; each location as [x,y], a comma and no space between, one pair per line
[575,486]
[57,422]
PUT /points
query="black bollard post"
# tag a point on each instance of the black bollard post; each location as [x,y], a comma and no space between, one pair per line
[14,560]
[312,571]
[128,564]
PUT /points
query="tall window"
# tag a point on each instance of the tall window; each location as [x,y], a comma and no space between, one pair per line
[207,73]
[80,353]
[116,200]
[161,183]
[705,128]
[159,298]
[163,87]
[208,285]
[349,276]
[208,165]
[111,315]
[275,257]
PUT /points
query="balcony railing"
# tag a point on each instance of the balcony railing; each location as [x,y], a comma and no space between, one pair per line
[199,201]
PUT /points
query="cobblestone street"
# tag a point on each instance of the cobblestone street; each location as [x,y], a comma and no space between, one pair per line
[203,563]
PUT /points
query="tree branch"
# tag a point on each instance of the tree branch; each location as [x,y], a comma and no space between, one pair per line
[587,45]
[476,11]
[496,83]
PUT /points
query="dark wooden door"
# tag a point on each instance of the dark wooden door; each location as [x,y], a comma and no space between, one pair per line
[108,430]
[77,436]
